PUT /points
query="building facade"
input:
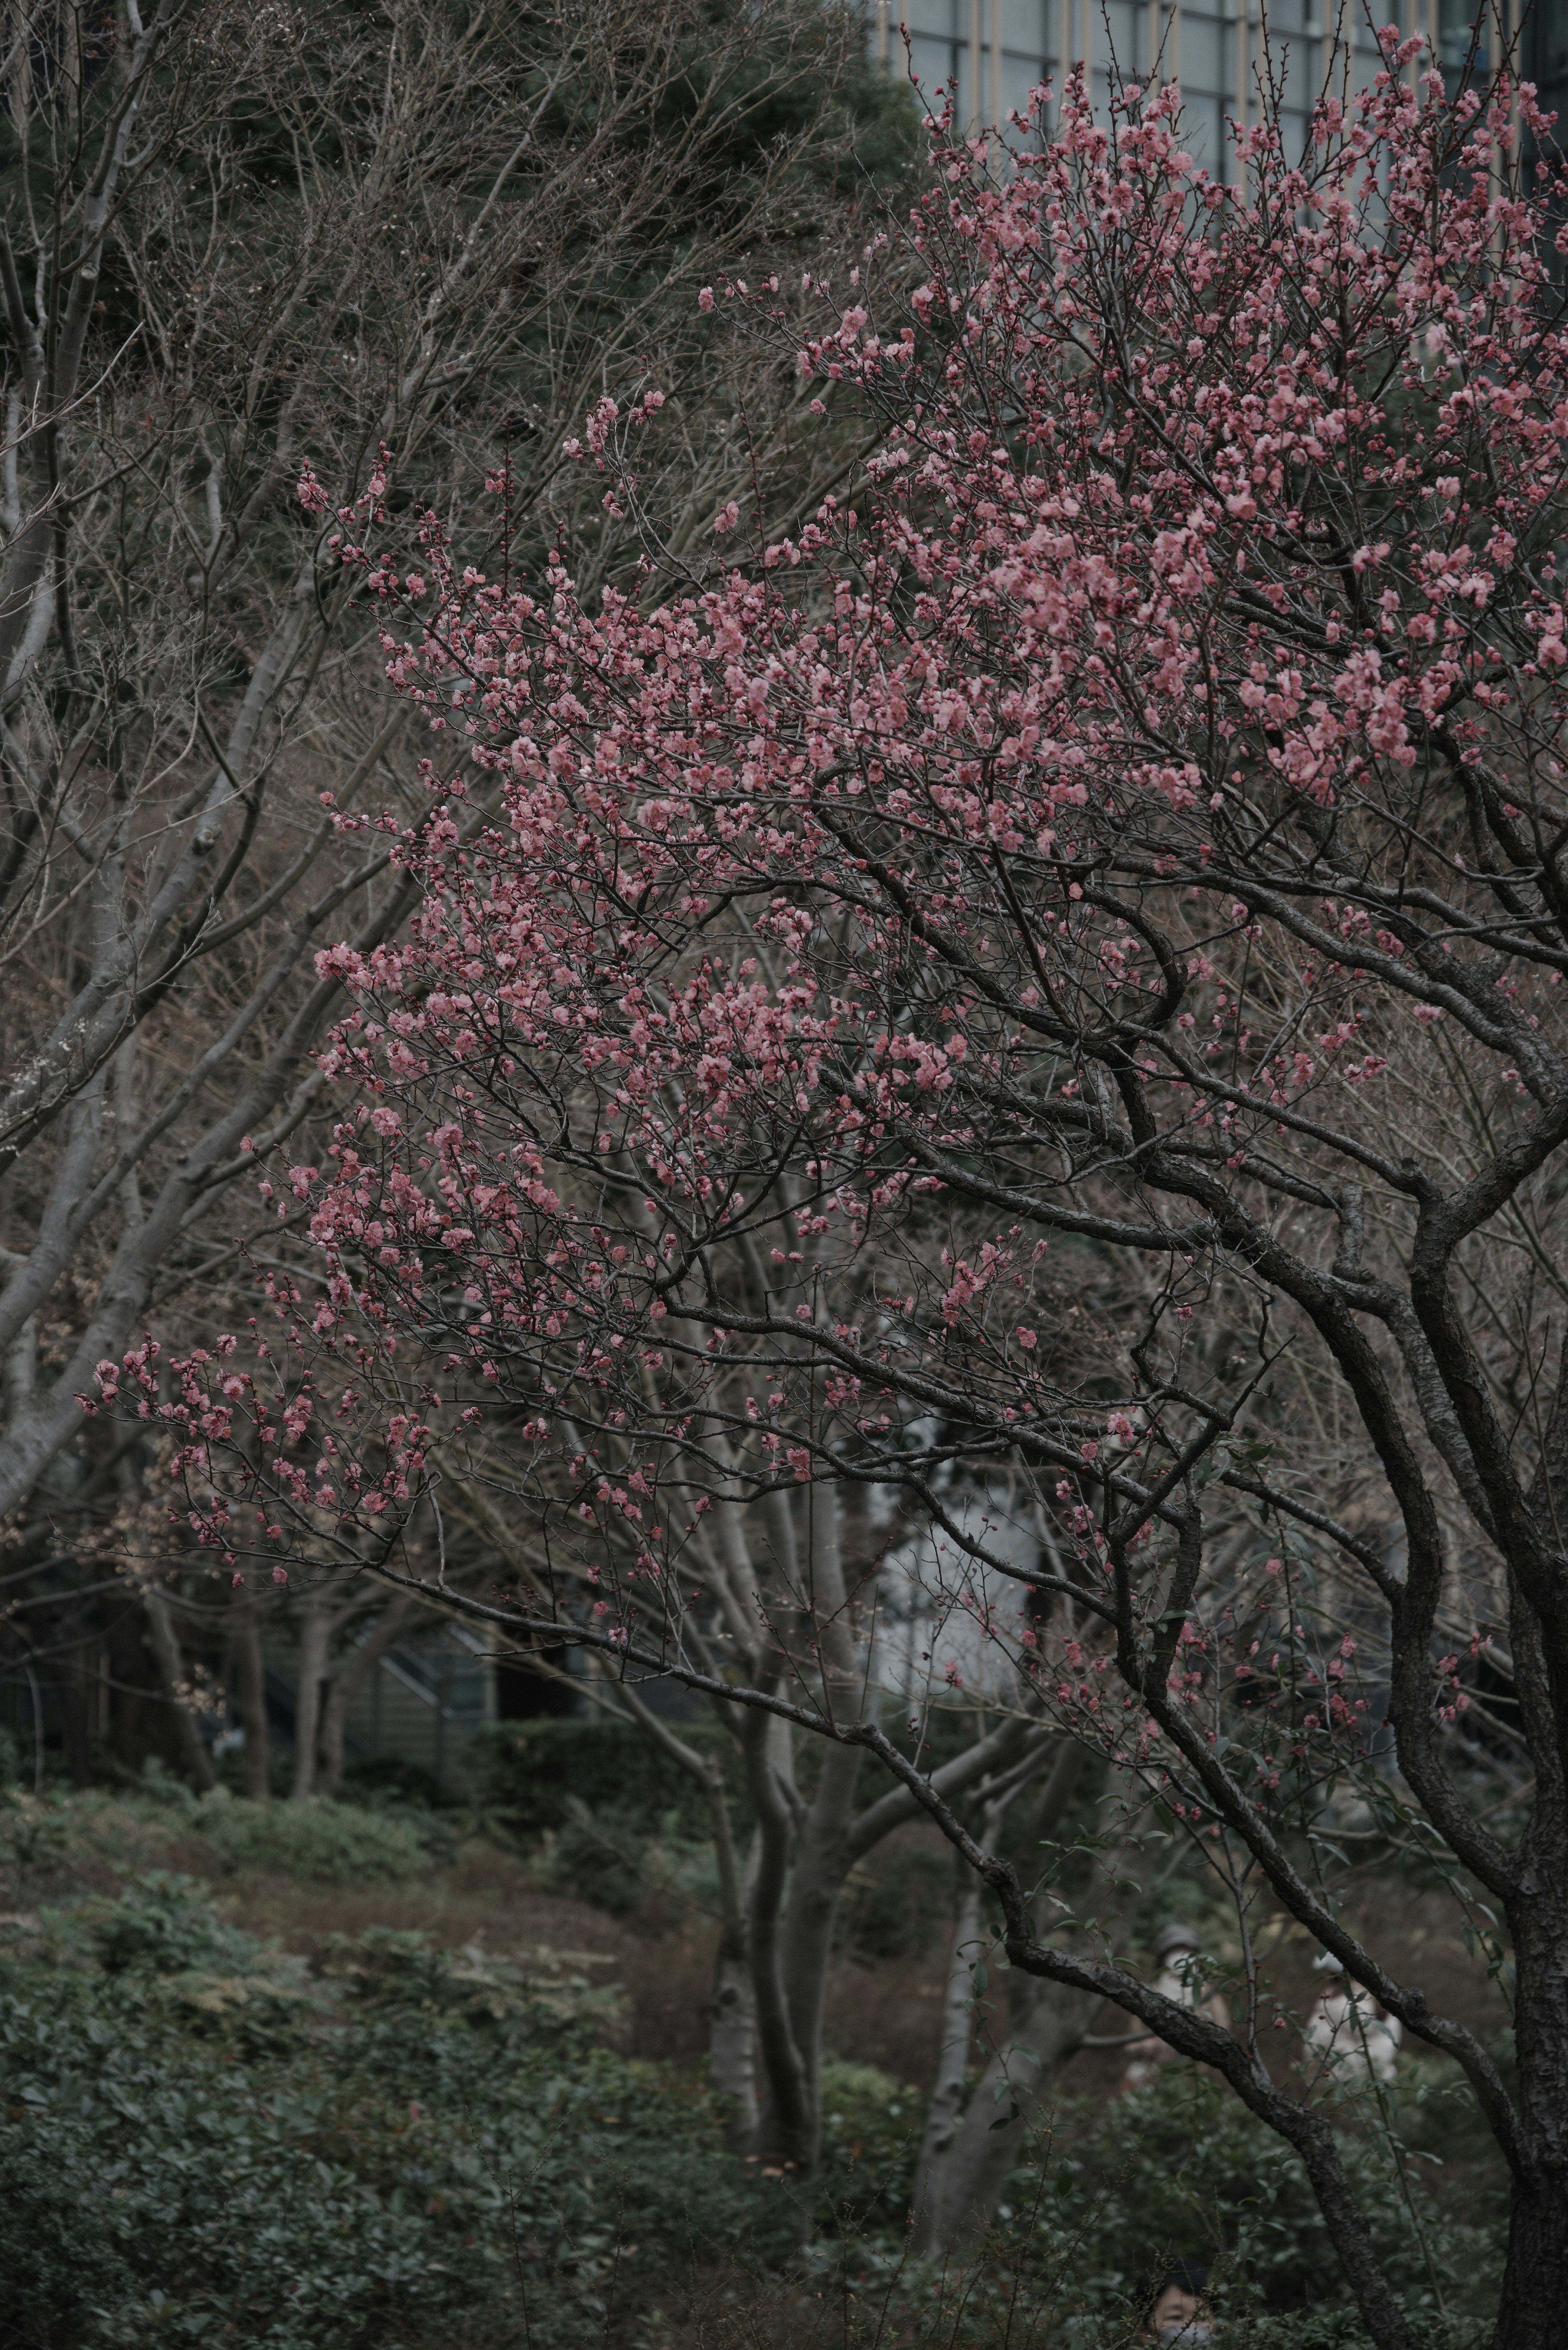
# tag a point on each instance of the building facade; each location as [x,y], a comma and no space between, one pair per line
[1223,52]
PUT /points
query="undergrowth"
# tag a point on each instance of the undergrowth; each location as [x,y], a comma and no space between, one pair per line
[202,2142]
[314,1842]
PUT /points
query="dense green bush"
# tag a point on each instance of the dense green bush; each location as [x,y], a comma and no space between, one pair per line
[610,1818]
[1182,2169]
[197,2144]
[397,2150]
[392,1780]
[871,2130]
[316,1842]
[600,1857]
[34,1832]
[333,1843]
[894,1906]
[1109,2193]
[162,1928]
[530,1776]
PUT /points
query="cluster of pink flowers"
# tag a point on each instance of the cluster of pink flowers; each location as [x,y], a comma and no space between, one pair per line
[780,942]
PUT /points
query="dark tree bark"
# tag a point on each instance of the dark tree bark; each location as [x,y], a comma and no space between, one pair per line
[71,1699]
[250,1693]
[1535,2280]
[314,1646]
[193,1754]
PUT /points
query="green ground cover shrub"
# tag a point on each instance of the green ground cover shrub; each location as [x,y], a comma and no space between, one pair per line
[316,1842]
[200,2143]
[871,2131]
[1109,2192]
[604,1814]
[530,1776]
[602,1857]
[329,1844]
[1182,2169]
[394,2148]
[895,1906]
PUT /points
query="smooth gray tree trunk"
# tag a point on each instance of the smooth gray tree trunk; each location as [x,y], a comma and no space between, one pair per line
[250,1694]
[194,1752]
[969,2149]
[945,2111]
[733,2044]
[315,1641]
[1040,2027]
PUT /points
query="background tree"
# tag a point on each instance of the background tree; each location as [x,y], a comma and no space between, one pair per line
[234,241]
[812,1559]
[1118,846]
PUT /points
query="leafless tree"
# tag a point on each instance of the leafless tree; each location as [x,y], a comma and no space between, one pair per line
[234,241]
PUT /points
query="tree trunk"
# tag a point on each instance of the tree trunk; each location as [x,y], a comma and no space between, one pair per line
[166,1650]
[1535,2279]
[732,2011]
[250,1691]
[345,1686]
[964,2163]
[807,1532]
[1531,2314]
[786,2127]
[817,1882]
[732,2043]
[314,1640]
[1044,2023]
[136,1707]
[946,2107]
[70,1695]
[733,2030]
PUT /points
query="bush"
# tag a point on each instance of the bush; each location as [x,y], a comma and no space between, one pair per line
[34,1834]
[58,1836]
[1108,2194]
[332,1844]
[529,1775]
[163,1925]
[1182,2169]
[614,1822]
[317,1840]
[390,1780]
[871,2131]
[414,2140]
[893,1908]
[600,1857]
[61,2268]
